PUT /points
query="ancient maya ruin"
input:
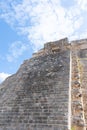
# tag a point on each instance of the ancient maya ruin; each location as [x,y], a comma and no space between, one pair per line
[49,91]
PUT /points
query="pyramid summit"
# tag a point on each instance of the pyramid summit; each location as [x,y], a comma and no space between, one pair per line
[48,92]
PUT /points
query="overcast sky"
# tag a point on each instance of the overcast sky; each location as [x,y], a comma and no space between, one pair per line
[25,25]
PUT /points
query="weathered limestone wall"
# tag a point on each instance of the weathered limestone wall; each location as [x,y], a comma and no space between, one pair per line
[79,85]
[79,44]
[37,96]
[83,62]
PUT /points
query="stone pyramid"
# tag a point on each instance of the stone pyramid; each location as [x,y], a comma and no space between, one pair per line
[41,95]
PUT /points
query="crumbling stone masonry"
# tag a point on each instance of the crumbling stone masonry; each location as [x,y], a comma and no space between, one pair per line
[49,91]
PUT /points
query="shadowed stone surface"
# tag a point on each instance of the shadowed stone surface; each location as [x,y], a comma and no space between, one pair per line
[37,96]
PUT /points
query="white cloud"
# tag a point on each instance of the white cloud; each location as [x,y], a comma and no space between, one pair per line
[82,4]
[3,76]
[15,50]
[83,35]
[43,20]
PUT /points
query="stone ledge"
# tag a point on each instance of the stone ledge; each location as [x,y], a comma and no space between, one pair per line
[53,47]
